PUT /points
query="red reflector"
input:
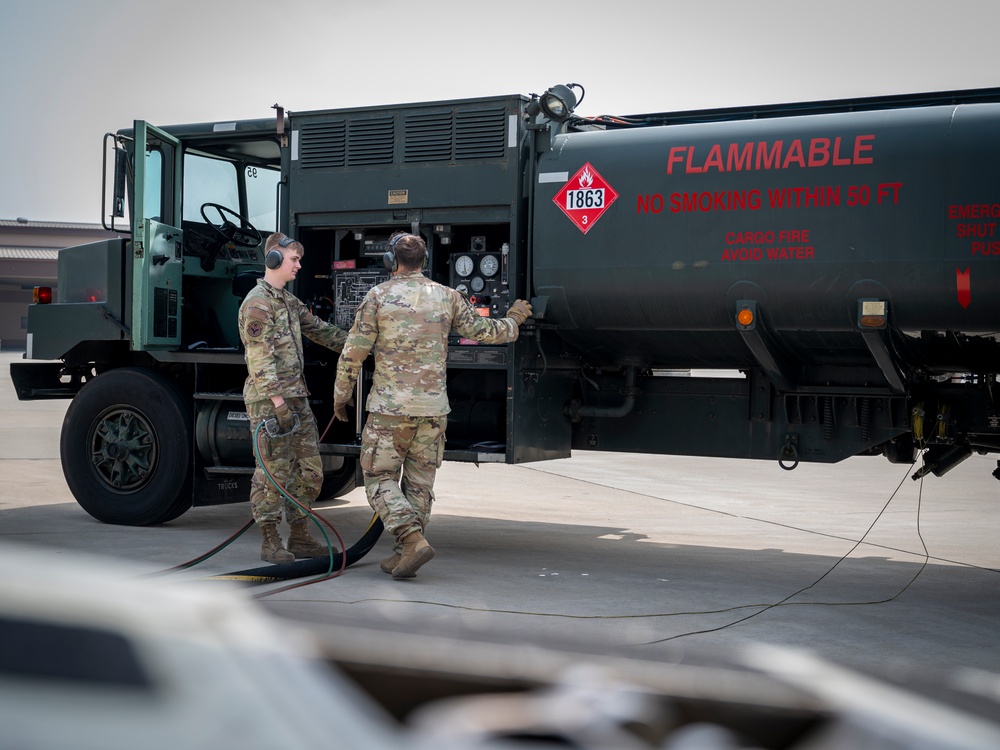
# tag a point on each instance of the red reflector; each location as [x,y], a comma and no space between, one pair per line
[42,295]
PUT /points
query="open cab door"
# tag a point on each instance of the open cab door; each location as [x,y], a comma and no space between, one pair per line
[157,240]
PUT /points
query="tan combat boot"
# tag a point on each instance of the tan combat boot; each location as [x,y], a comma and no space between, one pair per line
[416,552]
[301,544]
[390,562]
[270,549]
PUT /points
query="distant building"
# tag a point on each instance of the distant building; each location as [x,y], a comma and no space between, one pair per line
[28,258]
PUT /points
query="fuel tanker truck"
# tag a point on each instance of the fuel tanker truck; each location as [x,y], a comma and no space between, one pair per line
[801,282]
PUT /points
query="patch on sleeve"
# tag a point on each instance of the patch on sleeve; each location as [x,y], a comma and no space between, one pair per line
[253,326]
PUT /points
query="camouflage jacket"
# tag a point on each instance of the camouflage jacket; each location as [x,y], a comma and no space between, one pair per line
[405,323]
[272,322]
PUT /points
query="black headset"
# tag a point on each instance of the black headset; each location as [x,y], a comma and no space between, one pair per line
[275,258]
[389,258]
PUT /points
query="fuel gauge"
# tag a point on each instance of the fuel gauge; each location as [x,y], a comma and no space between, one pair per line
[464,265]
[489,265]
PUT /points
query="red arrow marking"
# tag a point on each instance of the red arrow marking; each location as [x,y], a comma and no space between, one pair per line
[964,284]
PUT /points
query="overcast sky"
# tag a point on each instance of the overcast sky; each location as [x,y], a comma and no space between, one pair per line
[72,70]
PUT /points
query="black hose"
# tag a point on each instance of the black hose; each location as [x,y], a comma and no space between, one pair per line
[312,566]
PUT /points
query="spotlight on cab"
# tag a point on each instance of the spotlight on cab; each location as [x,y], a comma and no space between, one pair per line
[558,102]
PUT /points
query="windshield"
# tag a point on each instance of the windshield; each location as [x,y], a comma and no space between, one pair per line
[262,196]
[208,180]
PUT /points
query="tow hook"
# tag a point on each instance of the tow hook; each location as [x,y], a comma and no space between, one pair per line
[790,452]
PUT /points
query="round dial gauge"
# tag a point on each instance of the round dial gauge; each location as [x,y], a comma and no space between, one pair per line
[489,265]
[463,288]
[464,265]
[477,284]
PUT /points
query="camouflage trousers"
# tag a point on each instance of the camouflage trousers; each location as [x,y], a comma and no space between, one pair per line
[400,457]
[293,461]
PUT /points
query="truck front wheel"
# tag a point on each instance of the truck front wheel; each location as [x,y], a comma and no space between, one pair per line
[126,448]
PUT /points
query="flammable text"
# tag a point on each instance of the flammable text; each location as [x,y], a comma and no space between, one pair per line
[761,155]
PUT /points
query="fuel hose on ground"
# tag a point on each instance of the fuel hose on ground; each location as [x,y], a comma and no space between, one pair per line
[311,566]
[322,566]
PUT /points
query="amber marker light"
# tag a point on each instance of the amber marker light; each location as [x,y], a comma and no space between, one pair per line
[873,314]
[42,295]
[745,317]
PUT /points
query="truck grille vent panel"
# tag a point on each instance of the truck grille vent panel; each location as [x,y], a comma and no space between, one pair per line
[324,145]
[428,137]
[339,143]
[370,142]
[480,133]
[455,135]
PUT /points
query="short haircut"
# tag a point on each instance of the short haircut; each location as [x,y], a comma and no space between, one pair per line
[273,242]
[410,249]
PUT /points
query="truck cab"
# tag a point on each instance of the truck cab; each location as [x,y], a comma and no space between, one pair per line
[142,331]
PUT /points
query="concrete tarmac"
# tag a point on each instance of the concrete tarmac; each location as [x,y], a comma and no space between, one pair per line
[853,562]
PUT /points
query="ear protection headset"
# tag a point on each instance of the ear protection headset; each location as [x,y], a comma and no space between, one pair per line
[275,258]
[389,258]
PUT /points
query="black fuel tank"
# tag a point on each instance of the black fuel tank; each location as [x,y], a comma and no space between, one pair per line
[645,239]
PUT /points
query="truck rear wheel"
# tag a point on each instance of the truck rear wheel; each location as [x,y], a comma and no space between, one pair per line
[126,448]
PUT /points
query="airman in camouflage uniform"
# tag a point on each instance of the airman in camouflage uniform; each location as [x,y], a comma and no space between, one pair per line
[405,322]
[272,322]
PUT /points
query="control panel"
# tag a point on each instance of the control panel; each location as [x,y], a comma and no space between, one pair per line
[482,276]
[342,264]
[350,288]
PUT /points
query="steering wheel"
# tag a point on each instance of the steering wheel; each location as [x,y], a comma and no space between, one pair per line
[243,234]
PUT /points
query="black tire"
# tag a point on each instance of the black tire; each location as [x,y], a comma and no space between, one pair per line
[126,448]
[340,481]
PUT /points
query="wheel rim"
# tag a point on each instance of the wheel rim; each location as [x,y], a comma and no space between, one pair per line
[123,450]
